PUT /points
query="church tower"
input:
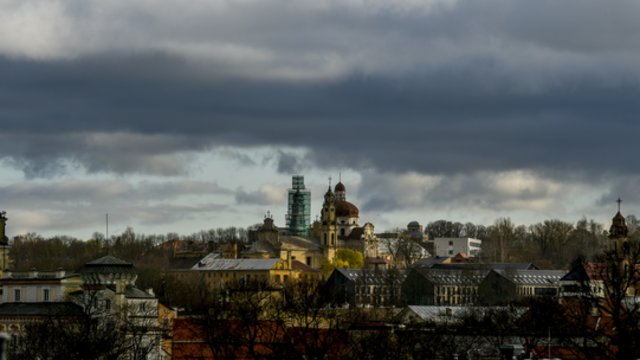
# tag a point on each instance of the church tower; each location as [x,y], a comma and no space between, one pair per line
[298,218]
[618,241]
[4,243]
[328,218]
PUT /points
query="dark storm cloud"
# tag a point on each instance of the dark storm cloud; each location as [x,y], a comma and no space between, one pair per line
[77,193]
[625,188]
[458,87]
[288,163]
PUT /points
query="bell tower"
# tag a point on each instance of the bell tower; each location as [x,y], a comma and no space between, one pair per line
[618,240]
[329,230]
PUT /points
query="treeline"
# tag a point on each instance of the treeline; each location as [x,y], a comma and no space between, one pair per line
[32,250]
[551,244]
[548,244]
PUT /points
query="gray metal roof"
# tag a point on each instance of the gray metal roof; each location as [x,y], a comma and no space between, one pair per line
[372,277]
[533,277]
[108,265]
[135,293]
[109,260]
[439,313]
[486,266]
[215,264]
[449,313]
[454,276]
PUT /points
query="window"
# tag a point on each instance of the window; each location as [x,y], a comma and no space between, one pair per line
[16,295]
[45,294]
[107,304]
[450,243]
[308,260]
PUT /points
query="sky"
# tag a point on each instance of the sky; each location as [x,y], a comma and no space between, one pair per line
[174,116]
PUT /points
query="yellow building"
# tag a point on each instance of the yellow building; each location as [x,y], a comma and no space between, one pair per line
[268,242]
[217,272]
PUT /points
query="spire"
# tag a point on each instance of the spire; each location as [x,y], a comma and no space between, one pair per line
[619,202]
[618,228]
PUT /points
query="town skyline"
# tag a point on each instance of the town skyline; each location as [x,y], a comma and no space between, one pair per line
[180,117]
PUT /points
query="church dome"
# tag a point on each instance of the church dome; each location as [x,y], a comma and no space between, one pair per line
[346,209]
[340,187]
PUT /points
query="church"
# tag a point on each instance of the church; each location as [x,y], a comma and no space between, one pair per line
[337,228]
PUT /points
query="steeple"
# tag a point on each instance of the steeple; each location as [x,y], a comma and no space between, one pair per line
[328,227]
[618,242]
[618,229]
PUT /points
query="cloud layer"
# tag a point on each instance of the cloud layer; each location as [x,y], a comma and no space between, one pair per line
[508,102]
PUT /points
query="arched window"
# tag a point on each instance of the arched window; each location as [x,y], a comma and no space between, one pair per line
[341,232]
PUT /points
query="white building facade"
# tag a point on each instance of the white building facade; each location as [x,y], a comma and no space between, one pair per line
[37,286]
[446,247]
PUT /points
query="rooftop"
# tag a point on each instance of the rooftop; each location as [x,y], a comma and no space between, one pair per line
[41,309]
[372,277]
[211,263]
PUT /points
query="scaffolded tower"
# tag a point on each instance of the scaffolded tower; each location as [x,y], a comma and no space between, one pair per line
[299,211]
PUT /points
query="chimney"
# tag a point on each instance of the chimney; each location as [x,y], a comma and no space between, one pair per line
[235,249]
[289,259]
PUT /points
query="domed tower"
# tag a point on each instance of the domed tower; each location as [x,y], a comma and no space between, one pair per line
[618,234]
[328,218]
[341,191]
[347,214]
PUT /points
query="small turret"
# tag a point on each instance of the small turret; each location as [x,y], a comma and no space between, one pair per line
[3,223]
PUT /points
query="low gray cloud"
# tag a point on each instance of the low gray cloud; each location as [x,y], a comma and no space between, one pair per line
[482,191]
[289,163]
[70,205]
[265,195]
[461,91]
